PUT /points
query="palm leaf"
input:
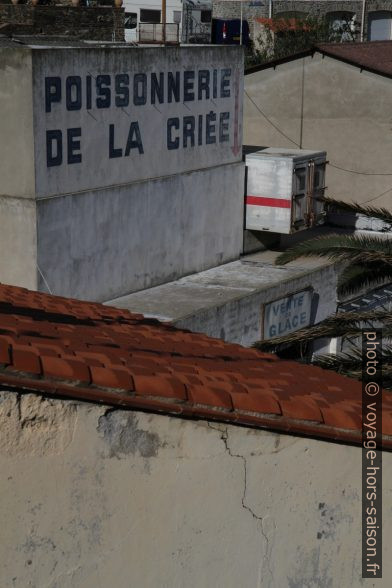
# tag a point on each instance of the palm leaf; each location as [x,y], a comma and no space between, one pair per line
[343,324]
[341,362]
[350,364]
[356,277]
[357,249]
[369,211]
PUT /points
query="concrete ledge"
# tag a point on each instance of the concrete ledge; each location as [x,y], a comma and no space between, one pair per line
[227,301]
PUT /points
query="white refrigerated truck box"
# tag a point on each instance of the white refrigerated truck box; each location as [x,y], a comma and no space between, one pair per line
[284,189]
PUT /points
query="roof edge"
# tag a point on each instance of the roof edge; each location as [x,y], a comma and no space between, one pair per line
[275,62]
[162,406]
[373,70]
[310,53]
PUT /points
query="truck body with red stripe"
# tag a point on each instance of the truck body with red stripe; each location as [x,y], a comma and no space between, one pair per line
[284,189]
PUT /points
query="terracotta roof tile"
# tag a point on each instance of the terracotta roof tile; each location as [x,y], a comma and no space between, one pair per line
[160,386]
[23,347]
[111,377]
[210,396]
[341,418]
[256,403]
[49,350]
[138,370]
[88,351]
[5,357]
[387,423]
[26,361]
[301,408]
[65,369]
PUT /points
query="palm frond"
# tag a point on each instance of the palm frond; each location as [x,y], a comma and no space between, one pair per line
[356,276]
[350,364]
[343,324]
[353,248]
[369,211]
[341,362]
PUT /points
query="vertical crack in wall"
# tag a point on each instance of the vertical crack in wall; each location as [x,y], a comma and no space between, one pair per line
[224,435]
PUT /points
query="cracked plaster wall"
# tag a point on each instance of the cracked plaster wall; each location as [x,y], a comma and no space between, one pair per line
[96,497]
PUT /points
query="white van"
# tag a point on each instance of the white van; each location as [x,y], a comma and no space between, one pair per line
[146,18]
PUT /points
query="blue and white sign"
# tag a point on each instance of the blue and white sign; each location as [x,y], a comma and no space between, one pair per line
[288,314]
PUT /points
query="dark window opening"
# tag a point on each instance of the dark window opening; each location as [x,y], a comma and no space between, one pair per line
[150,15]
[205,16]
[130,21]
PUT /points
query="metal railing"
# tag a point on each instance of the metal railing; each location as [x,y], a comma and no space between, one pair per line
[160,33]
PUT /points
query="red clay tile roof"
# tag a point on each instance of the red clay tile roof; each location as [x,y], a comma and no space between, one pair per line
[88,351]
[375,56]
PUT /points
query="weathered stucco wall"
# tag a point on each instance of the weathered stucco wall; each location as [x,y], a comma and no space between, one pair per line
[96,497]
[346,112]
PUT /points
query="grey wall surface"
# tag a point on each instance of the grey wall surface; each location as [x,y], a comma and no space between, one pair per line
[93,498]
[346,112]
[228,302]
[101,244]
[240,320]
[18,252]
[85,92]
[18,242]
[16,123]
[110,221]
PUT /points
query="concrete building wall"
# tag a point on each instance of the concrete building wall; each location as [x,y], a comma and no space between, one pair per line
[16,124]
[313,8]
[96,497]
[240,320]
[231,301]
[100,23]
[18,251]
[104,243]
[109,110]
[346,112]
[118,208]
[18,242]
